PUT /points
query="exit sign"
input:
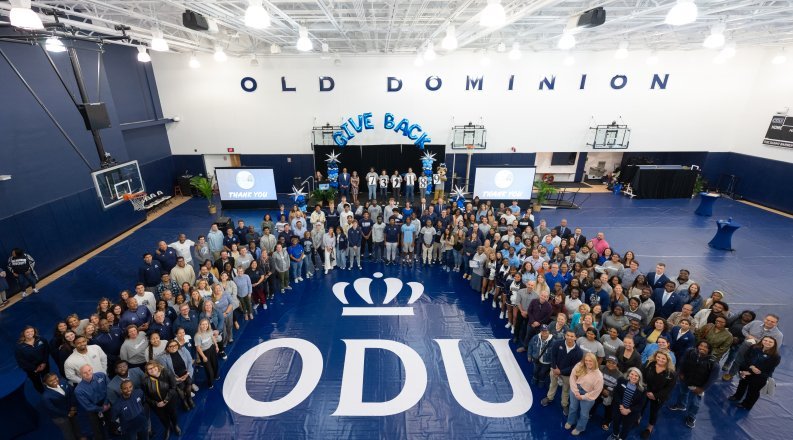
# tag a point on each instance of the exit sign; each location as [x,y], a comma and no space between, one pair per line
[230,150]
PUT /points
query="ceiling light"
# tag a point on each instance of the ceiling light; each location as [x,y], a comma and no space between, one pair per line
[219,55]
[780,57]
[716,38]
[684,12]
[569,60]
[24,17]
[429,53]
[212,26]
[275,49]
[493,15]
[622,52]
[158,42]
[54,44]
[325,47]
[419,61]
[304,43]
[652,59]
[194,64]
[143,56]
[515,53]
[255,16]
[566,41]
[450,40]
[501,47]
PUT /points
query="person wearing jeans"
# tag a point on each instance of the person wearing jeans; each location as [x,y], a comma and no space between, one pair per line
[698,370]
[23,267]
[565,355]
[296,259]
[586,384]
[410,182]
[280,262]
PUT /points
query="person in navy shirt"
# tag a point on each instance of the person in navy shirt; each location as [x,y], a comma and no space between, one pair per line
[61,405]
[657,279]
[230,238]
[150,273]
[109,339]
[166,256]
[136,315]
[366,235]
[597,295]
[296,259]
[241,232]
[129,413]
[554,276]
[391,240]
[32,355]
[666,301]
[344,183]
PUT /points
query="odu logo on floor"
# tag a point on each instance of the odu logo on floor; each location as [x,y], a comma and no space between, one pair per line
[351,401]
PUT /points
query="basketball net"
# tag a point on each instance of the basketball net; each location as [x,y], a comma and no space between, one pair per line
[137,200]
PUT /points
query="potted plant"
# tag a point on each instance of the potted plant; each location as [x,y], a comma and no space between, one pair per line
[544,190]
[699,185]
[204,187]
[324,195]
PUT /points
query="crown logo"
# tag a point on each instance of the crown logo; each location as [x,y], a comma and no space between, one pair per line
[393,287]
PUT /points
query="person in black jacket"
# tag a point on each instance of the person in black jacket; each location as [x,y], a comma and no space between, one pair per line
[564,357]
[160,389]
[698,371]
[61,405]
[659,374]
[758,366]
[627,404]
[32,354]
[23,267]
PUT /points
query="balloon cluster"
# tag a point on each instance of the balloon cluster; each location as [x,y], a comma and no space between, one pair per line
[426,165]
[300,197]
[333,169]
[458,197]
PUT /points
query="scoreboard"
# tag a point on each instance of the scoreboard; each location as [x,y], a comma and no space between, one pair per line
[780,132]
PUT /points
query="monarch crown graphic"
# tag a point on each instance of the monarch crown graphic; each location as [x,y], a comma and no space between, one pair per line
[393,287]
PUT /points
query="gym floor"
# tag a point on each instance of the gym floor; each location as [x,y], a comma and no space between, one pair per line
[754,276]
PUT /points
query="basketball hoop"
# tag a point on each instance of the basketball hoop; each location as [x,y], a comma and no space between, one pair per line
[137,199]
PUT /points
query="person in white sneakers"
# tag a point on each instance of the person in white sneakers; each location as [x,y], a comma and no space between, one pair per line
[23,267]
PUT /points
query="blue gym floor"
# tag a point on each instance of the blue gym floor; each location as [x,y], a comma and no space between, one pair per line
[755,276]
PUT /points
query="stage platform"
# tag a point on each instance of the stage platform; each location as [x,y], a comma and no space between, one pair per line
[755,276]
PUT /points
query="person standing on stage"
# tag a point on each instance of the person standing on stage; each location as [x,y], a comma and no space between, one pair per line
[355,183]
[384,184]
[371,183]
[410,181]
[396,184]
[344,183]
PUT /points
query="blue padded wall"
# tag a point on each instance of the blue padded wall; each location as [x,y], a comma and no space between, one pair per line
[760,180]
[50,206]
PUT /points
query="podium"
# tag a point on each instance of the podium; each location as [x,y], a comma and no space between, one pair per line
[706,202]
[723,238]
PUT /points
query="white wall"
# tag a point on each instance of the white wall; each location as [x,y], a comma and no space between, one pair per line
[706,107]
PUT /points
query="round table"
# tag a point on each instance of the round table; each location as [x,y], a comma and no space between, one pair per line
[723,238]
[706,201]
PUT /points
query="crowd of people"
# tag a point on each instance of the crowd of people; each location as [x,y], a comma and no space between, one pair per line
[588,318]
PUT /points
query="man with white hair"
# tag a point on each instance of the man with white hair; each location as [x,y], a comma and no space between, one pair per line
[91,395]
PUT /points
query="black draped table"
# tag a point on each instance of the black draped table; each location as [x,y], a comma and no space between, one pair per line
[662,181]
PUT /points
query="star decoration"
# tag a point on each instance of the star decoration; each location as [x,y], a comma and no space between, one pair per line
[428,156]
[332,157]
[297,193]
[458,192]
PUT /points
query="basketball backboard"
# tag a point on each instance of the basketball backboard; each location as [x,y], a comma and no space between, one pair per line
[112,183]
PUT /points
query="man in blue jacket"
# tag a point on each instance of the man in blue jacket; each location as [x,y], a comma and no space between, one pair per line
[565,355]
[59,402]
[150,272]
[666,302]
[130,414]
[91,394]
[187,319]
[658,279]
[354,240]
[109,339]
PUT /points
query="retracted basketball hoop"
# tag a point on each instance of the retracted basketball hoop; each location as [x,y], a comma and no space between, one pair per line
[137,199]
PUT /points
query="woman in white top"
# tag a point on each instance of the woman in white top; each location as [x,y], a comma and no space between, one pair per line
[329,246]
[207,349]
[156,347]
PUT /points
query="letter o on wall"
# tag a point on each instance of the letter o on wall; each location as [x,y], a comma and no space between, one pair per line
[248,84]
[619,81]
[437,83]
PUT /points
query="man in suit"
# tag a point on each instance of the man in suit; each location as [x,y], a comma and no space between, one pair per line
[344,183]
[562,230]
[666,302]
[61,405]
[657,279]
[580,239]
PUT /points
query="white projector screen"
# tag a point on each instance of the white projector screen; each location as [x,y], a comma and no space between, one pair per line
[245,184]
[504,183]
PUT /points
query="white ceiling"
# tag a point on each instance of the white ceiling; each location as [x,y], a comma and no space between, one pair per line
[403,26]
